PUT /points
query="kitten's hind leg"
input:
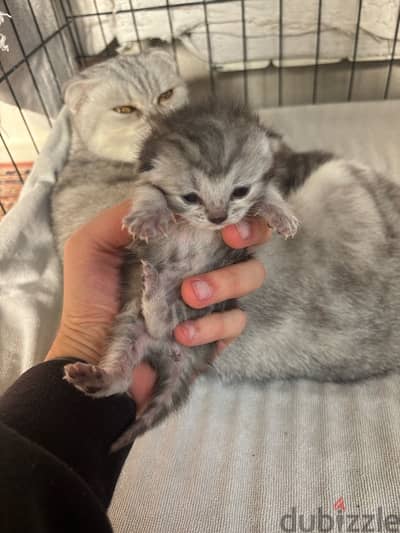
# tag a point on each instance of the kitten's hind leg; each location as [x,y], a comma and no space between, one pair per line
[113,374]
[175,375]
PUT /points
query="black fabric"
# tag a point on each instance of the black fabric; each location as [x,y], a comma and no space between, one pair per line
[56,472]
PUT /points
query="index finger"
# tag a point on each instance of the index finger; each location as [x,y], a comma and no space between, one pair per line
[247,232]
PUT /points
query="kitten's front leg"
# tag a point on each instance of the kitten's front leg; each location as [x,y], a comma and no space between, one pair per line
[150,215]
[277,213]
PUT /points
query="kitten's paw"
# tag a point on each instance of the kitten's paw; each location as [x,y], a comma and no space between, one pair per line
[90,379]
[148,225]
[285,224]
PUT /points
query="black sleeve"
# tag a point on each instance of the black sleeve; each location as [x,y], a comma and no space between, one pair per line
[56,472]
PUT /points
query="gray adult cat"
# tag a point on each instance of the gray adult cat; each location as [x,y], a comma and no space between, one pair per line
[109,107]
[329,308]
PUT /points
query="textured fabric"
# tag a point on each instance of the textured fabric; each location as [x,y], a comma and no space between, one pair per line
[237,457]
[30,270]
[300,23]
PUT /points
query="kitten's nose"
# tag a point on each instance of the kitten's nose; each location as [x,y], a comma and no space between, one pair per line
[217,219]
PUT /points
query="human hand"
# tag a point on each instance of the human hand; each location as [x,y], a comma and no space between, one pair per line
[93,256]
[223,284]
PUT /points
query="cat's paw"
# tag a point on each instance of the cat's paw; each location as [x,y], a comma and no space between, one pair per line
[284,223]
[90,379]
[148,225]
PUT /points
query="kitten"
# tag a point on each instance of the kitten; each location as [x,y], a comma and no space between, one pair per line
[202,168]
[109,107]
[330,306]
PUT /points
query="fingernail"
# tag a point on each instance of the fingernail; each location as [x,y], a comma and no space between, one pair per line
[201,289]
[189,329]
[244,229]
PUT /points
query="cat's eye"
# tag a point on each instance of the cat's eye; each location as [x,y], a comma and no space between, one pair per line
[165,96]
[124,109]
[146,166]
[240,192]
[192,198]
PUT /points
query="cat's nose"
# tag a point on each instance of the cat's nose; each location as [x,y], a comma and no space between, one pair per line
[217,219]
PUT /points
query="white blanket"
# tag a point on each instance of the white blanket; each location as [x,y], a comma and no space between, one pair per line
[338,27]
[30,271]
[236,459]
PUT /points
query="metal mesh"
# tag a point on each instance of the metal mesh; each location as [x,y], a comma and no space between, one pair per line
[48,42]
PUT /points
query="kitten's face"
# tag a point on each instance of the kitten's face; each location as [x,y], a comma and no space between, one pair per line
[111,102]
[216,183]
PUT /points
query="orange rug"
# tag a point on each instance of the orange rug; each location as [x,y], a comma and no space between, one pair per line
[10,184]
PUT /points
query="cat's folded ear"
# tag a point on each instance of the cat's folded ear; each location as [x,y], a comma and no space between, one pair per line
[162,54]
[76,91]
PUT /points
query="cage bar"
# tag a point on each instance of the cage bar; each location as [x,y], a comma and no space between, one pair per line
[78,39]
[26,61]
[21,113]
[317,51]
[44,46]
[14,164]
[280,73]
[244,44]
[389,76]
[354,59]
[209,51]
[134,22]
[171,30]
[101,28]
[69,38]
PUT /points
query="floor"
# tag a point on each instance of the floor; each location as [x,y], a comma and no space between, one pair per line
[15,140]
[11,185]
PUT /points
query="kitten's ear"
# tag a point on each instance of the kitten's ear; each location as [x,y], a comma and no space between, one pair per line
[275,139]
[76,91]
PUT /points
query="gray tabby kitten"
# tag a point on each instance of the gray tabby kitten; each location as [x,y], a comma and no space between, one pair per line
[109,107]
[202,168]
[330,307]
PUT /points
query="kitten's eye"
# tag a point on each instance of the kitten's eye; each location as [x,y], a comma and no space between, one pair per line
[192,198]
[165,96]
[240,192]
[124,109]
[146,166]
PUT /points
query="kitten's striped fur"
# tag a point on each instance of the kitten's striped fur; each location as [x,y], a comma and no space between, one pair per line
[330,306]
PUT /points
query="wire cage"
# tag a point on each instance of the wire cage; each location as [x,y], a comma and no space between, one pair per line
[264,52]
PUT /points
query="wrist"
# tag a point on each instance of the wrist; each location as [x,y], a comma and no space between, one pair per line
[86,344]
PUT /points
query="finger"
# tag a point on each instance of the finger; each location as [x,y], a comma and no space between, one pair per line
[224,343]
[144,378]
[248,232]
[211,328]
[105,231]
[223,284]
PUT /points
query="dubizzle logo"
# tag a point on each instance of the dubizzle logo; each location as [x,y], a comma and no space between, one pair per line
[339,504]
[341,520]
